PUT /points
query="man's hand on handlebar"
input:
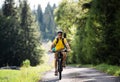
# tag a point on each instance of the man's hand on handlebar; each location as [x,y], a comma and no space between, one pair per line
[68,50]
[64,50]
[50,50]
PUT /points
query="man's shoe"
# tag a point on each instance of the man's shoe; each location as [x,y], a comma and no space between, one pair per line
[56,73]
[64,66]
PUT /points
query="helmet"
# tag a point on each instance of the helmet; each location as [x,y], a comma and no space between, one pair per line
[60,31]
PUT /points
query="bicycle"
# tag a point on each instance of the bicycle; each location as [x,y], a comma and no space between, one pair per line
[59,61]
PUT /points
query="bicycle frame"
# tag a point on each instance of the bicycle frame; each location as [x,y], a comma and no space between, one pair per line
[59,62]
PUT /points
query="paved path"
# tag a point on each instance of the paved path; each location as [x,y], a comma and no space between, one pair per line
[73,74]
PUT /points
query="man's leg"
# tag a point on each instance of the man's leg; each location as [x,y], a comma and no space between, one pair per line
[64,59]
[56,71]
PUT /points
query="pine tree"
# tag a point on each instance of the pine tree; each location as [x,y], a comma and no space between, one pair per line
[8,7]
[0,12]
[40,15]
[40,20]
[9,23]
[19,35]
[31,36]
[49,23]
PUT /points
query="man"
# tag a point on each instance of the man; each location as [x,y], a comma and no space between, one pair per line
[60,43]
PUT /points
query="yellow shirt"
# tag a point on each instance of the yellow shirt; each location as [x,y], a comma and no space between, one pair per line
[60,44]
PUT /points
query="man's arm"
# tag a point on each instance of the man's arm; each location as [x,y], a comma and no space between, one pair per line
[67,45]
[53,44]
[51,47]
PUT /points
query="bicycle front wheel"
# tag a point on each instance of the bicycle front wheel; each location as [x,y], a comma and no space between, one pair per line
[60,68]
[60,75]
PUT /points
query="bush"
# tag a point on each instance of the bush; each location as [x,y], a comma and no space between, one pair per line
[26,63]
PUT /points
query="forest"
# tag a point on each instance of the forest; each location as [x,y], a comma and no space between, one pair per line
[22,30]
[46,22]
[92,28]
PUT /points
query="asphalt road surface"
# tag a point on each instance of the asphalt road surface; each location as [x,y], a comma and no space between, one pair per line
[74,74]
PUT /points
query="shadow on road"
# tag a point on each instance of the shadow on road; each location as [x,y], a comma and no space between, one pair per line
[50,80]
[73,74]
[91,75]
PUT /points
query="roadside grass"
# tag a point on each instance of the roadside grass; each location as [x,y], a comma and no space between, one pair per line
[109,69]
[25,74]
[30,74]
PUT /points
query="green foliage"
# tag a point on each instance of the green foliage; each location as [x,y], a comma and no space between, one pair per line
[8,8]
[102,19]
[19,35]
[65,15]
[30,36]
[96,34]
[46,22]
[30,74]
[113,70]
[72,19]
[109,69]
[40,20]
[26,63]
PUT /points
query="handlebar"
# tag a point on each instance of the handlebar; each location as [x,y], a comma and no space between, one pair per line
[65,50]
[62,50]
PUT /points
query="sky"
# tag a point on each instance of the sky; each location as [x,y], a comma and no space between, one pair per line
[34,3]
[43,3]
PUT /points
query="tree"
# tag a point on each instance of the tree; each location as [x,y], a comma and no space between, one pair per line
[66,16]
[49,23]
[19,35]
[9,23]
[40,20]
[46,21]
[109,49]
[31,36]
[96,37]
[8,8]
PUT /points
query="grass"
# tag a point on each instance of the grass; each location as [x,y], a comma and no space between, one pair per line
[25,74]
[30,74]
[109,69]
